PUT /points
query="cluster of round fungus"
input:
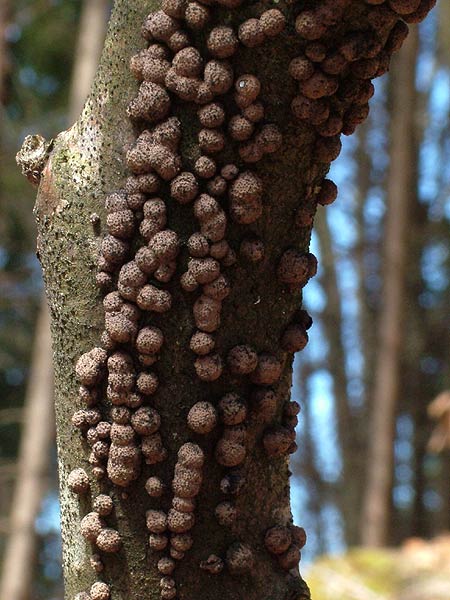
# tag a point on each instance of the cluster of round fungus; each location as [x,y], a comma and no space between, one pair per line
[135,278]
[254,32]
[291,411]
[209,251]
[285,542]
[246,198]
[156,151]
[94,530]
[296,268]
[231,448]
[241,127]
[171,529]
[187,75]
[167,587]
[334,84]
[295,336]
[121,320]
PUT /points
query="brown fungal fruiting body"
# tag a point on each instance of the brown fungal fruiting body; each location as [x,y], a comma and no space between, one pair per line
[89,366]
[90,526]
[108,540]
[294,338]
[180,519]
[96,563]
[202,417]
[166,565]
[268,370]
[278,539]
[296,268]
[229,453]
[103,504]
[232,409]
[278,440]
[290,559]
[78,481]
[154,487]
[242,360]
[100,591]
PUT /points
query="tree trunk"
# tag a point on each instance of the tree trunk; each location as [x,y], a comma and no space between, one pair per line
[86,163]
[32,469]
[351,479]
[366,310]
[87,53]
[5,14]
[377,500]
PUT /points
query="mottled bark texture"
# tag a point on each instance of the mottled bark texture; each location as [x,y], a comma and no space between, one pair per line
[87,163]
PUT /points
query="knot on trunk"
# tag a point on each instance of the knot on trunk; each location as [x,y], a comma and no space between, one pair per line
[33,156]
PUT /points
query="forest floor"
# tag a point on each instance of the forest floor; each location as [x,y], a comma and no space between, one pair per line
[419,570]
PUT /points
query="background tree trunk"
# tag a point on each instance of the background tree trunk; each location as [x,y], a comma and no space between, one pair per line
[352,455]
[94,18]
[32,470]
[5,14]
[377,500]
[87,163]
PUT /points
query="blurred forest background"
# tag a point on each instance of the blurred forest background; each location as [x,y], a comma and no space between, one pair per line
[373,466]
